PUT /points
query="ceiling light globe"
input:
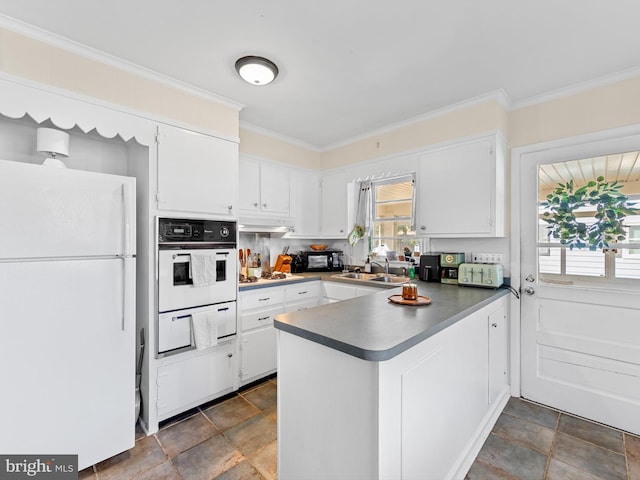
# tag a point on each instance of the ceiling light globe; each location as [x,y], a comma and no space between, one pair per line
[257,70]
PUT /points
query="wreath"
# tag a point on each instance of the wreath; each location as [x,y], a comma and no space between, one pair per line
[610,205]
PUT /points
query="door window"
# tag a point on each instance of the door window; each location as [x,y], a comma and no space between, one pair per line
[589,219]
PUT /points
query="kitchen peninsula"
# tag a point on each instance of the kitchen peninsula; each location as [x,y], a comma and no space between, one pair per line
[371,389]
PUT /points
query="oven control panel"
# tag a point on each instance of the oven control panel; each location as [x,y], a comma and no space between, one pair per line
[178,230]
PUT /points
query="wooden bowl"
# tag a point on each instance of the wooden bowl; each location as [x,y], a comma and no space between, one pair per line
[318,247]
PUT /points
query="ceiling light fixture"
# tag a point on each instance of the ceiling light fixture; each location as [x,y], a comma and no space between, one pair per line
[256,70]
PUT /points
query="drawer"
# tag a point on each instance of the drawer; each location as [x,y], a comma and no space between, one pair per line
[261,298]
[296,307]
[259,318]
[302,291]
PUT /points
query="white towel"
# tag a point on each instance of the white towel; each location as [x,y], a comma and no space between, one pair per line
[203,269]
[205,329]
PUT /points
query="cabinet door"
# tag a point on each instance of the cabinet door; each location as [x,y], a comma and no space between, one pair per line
[334,204]
[498,353]
[196,172]
[304,203]
[197,379]
[457,190]
[249,185]
[259,353]
[274,189]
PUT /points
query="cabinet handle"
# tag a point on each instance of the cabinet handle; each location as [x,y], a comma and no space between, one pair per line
[264,205]
[264,318]
[255,204]
[264,299]
[494,325]
[303,293]
[423,227]
[229,355]
[230,207]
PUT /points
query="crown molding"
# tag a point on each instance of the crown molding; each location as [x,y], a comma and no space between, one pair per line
[499,96]
[58,41]
[581,87]
[278,136]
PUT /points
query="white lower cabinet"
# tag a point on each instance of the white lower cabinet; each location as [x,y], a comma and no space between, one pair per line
[423,414]
[258,308]
[193,378]
[259,354]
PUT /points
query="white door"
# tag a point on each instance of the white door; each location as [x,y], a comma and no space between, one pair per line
[580,309]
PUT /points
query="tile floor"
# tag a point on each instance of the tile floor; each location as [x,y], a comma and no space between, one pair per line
[231,439]
[235,438]
[530,441]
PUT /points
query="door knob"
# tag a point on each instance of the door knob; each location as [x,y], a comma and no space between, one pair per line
[529,291]
[530,278]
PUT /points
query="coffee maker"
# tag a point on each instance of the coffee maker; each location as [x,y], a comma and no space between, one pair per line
[449,263]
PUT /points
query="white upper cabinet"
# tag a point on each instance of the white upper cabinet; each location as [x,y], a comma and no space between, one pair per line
[461,190]
[334,204]
[264,187]
[196,172]
[305,203]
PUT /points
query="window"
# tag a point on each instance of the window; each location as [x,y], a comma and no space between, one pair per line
[392,216]
[589,219]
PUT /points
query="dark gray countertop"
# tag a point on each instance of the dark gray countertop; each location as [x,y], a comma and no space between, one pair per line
[372,328]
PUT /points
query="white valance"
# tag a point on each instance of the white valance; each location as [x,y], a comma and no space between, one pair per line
[18,99]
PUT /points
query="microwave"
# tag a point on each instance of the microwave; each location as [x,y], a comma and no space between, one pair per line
[324,261]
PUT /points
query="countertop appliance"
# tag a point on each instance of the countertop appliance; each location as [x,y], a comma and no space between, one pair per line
[488,275]
[449,263]
[296,264]
[321,261]
[67,277]
[429,269]
[197,283]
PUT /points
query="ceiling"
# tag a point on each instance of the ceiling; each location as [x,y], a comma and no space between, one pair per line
[350,67]
[621,167]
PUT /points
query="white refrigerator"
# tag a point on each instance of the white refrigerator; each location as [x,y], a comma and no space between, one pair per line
[67,312]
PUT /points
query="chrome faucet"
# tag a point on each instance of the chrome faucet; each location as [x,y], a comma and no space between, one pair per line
[385,266]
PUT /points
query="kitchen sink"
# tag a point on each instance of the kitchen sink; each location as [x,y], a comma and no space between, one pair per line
[389,279]
[372,277]
[358,276]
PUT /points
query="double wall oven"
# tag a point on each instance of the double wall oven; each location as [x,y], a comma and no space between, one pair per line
[197,276]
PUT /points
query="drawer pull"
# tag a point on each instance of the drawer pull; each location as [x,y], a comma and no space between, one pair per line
[264,318]
[303,293]
[264,299]
[223,309]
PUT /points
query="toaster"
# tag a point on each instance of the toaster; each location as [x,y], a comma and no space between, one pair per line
[488,275]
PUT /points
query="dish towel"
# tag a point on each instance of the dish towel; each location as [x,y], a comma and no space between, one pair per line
[203,269]
[205,329]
